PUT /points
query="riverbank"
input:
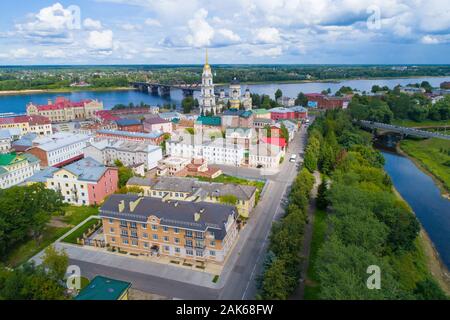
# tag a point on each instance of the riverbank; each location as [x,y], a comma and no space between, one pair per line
[427,250]
[64,90]
[427,156]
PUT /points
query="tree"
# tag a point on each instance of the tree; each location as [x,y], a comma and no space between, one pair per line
[278,94]
[56,262]
[301,100]
[284,133]
[125,173]
[428,289]
[188,104]
[322,201]
[275,285]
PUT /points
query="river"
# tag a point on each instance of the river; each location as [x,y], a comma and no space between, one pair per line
[424,197]
[17,103]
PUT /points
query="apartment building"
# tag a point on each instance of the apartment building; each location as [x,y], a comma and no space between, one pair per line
[7,136]
[28,124]
[237,118]
[157,124]
[191,189]
[14,168]
[219,151]
[266,155]
[59,149]
[154,138]
[181,230]
[85,182]
[130,153]
[63,110]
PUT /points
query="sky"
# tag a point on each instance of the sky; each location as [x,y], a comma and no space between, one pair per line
[235,31]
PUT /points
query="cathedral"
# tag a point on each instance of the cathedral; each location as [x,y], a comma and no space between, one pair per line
[210,104]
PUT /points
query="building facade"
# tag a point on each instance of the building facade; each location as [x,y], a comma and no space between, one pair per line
[85,182]
[130,153]
[28,124]
[63,110]
[59,149]
[15,169]
[154,138]
[207,102]
[158,124]
[145,226]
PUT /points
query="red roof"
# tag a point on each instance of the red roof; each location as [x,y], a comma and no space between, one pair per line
[105,115]
[63,103]
[32,120]
[280,142]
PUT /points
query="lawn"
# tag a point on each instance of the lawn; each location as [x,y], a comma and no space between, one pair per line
[78,233]
[74,215]
[318,237]
[29,248]
[236,180]
[426,123]
[433,155]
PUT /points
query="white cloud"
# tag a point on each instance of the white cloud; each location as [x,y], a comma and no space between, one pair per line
[54,53]
[267,35]
[229,35]
[152,22]
[92,24]
[201,33]
[267,52]
[22,53]
[129,27]
[100,40]
[51,24]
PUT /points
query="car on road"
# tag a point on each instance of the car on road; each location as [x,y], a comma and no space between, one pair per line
[293,158]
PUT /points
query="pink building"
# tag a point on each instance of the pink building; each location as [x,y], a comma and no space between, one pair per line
[294,113]
[157,124]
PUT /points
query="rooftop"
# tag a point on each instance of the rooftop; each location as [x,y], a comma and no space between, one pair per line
[150,135]
[58,140]
[103,288]
[209,121]
[128,122]
[155,120]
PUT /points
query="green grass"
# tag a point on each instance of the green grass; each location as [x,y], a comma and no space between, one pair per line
[74,215]
[433,155]
[318,237]
[78,233]
[26,250]
[426,123]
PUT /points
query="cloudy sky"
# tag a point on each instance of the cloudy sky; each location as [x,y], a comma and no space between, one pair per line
[236,31]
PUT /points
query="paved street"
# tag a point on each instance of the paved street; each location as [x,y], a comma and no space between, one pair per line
[245,262]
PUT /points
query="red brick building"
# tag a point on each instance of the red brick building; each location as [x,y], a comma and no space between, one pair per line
[327,102]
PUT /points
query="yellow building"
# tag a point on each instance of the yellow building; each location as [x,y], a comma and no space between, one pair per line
[28,124]
[193,190]
[63,110]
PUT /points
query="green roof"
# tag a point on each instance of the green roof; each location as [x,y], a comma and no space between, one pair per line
[7,158]
[260,111]
[209,121]
[103,288]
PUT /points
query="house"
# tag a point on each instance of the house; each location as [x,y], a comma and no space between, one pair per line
[63,110]
[265,155]
[286,101]
[191,189]
[261,114]
[208,122]
[171,165]
[28,124]
[131,125]
[412,90]
[103,288]
[7,136]
[58,149]
[234,118]
[158,124]
[130,153]
[199,232]
[14,168]
[85,182]
[154,138]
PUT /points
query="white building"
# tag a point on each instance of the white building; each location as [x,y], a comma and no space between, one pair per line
[14,169]
[207,101]
[59,149]
[7,136]
[265,155]
[130,153]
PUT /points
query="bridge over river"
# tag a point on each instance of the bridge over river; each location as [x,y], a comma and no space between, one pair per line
[163,89]
[402,130]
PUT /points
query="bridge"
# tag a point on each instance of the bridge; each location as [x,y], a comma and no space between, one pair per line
[405,131]
[163,89]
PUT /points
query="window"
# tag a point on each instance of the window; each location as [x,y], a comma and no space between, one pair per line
[154,227]
[199,253]
[125,241]
[113,239]
[155,237]
[212,253]
[188,233]
[189,252]
[188,243]
[144,226]
[134,242]
[177,240]
[176,230]
[166,248]
[145,244]
[177,250]
[134,234]
[166,239]
[165,229]
[145,235]
[212,243]
[111,230]
[124,233]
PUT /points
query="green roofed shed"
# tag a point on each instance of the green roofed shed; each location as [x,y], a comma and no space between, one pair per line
[103,288]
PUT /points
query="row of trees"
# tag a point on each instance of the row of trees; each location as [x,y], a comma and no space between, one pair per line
[368,224]
[282,264]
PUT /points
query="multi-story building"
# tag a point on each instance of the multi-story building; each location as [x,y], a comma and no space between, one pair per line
[59,149]
[286,101]
[171,166]
[154,138]
[145,226]
[158,124]
[28,124]
[283,113]
[261,114]
[218,151]
[7,136]
[265,155]
[321,101]
[207,101]
[235,99]
[63,110]
[85,182]
[237,118]
[191,189]
[14,169]
[130,153]
[131,125]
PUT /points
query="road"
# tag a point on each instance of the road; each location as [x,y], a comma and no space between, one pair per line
[240,280]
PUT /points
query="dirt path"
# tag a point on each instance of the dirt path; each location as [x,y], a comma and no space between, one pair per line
[57,222]
[306,248]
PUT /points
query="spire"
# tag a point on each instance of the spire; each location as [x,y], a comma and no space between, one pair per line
[206,58]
